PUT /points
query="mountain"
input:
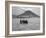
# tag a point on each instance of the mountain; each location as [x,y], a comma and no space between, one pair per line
[27,14]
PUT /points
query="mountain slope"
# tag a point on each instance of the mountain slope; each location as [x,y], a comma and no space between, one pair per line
[27,14]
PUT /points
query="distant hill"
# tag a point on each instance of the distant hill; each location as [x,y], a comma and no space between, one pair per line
[27,14]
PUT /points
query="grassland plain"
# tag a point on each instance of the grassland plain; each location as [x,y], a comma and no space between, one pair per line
[33,24]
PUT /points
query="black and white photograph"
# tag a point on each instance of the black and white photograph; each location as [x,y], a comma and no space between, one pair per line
[25,18]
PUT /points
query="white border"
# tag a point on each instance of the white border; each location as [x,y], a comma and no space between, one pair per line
[23,32]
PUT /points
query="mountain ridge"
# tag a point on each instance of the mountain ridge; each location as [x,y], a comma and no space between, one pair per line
[27,14]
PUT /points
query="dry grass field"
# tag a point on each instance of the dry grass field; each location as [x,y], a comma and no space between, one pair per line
[33,24]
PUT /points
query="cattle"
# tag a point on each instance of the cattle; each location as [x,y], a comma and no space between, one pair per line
[23,22]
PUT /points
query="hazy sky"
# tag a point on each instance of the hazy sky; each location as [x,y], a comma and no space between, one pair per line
[20,10]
